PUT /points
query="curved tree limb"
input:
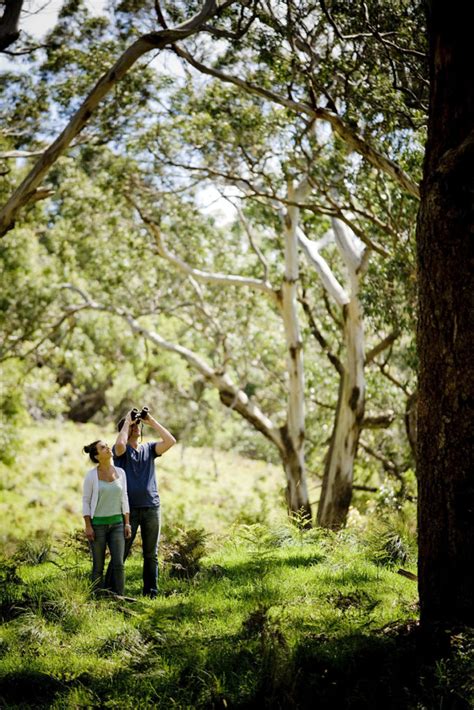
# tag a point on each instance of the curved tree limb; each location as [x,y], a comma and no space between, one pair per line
[325,273]
[379,421]
[230,394]
[198,274]
[144,44]
[381,346]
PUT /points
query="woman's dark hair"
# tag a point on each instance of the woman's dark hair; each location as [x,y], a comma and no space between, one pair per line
[91,449]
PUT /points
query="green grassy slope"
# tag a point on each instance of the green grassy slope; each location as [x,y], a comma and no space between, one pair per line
[41,492]
[256,614]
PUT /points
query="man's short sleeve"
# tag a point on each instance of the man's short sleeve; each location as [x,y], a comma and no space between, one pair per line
[153,449]
[119,460]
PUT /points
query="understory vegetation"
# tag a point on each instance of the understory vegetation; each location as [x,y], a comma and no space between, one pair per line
[253,610]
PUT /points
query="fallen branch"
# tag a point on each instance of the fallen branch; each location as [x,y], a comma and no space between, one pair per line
[408,575]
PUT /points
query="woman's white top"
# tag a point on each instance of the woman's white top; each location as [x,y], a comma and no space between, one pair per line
[90,491]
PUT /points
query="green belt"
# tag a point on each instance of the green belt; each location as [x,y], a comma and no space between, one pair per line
[107,520]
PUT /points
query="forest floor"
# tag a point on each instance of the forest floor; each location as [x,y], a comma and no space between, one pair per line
[252,610]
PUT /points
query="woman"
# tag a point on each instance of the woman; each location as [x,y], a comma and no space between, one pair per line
[106,514]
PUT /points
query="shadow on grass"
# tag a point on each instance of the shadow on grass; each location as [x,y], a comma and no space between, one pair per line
[28,689]
[392,668]
[388,669]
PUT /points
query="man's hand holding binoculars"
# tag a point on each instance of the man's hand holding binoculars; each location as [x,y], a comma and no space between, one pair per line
[135,416]
[127,434]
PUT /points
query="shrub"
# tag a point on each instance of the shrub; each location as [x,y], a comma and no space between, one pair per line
[183,556]
[34,552]
[389,543]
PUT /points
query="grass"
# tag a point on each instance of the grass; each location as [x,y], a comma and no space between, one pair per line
[229,633]
[40,494]
[256,613]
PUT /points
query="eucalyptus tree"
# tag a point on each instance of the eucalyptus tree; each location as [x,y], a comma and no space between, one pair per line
[289,435]
[219,171]
[319,71]
[247,158]
[336,493]
[214,341]
[290,76]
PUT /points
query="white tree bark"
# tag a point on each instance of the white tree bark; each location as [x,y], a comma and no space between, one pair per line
[322,268]
[338,474]
[290,437]
[206,276]
[294,432]
[291,445]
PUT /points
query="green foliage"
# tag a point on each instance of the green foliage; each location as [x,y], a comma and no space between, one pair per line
[162,139]
[183,555]
[391,540]
[13,588]
[12,411]
[34,552]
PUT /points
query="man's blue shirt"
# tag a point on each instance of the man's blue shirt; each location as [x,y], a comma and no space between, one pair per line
[141,480]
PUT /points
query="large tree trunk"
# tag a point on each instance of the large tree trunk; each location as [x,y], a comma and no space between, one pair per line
[411,410]
[445,465]
[336,492]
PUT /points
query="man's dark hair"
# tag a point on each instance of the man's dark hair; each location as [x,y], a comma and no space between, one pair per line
[120,424]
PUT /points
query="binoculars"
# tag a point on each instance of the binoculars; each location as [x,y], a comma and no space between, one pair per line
[136,415]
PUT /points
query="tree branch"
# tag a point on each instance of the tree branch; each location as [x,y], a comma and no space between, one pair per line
[252,241]
[160,16]
[349,136]
[214,278]
[333,359]
[144,44]
[329,281]
[383,345]
[9,29]
[342,214]
[379,421]
[230,394]
[349,248]
[388,465]
[391,378]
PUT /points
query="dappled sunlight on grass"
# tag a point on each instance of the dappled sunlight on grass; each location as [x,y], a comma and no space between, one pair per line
[257,612]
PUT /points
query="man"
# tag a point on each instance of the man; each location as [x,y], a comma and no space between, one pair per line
[138,462]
